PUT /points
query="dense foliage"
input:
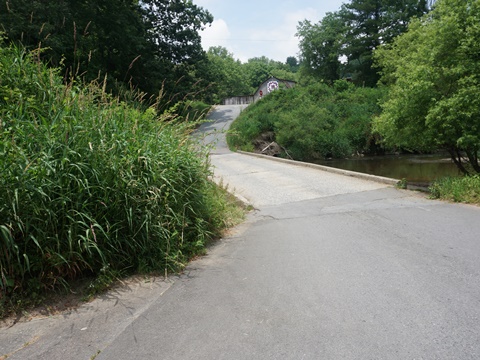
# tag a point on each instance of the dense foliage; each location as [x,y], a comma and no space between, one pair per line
[433,73]
[149,44]
[342,43]
[90,185]
[229,77]
[225,74]
[317,121]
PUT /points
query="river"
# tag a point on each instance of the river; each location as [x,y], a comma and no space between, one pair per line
[416,169]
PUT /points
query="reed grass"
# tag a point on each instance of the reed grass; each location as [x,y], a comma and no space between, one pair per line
[90,185]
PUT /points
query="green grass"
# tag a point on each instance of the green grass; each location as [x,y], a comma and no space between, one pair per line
[465,189]
[91,186]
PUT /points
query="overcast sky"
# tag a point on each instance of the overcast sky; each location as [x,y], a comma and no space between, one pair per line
[254,28]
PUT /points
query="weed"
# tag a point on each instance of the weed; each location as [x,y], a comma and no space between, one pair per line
[94,356]
[465,189]
[402,184]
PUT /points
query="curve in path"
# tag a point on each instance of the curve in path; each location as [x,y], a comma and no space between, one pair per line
[263,182]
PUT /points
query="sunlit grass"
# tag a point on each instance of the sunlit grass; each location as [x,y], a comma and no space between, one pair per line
[466,189]
[91,186]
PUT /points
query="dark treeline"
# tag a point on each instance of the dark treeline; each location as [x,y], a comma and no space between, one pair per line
[147,44]
[150,45]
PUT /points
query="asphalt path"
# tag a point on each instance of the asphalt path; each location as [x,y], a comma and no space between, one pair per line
[326,267]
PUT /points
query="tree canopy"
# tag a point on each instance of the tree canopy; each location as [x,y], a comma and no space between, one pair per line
[228,77]
[225,75]
[433,73]
[150,45]
[146,43]
[321,47]
[342,43]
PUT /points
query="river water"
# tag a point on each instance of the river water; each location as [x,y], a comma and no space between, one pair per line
[416,169]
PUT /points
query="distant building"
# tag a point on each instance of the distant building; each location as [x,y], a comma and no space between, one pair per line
[269,85]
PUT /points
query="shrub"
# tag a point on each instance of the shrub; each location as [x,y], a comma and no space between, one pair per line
[465,189]
[317,121]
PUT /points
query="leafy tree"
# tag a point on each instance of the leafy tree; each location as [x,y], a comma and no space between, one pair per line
[225,75]
[39,23]
[371,23]
[434,75]
[258,69]
[108,38]
[350,36]
[292,63]
[321,46]
[147,43]
[173,27]
[229,77]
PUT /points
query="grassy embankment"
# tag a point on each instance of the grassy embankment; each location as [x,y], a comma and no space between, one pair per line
[320,121]
[465,189]
[94,187]
[317,121]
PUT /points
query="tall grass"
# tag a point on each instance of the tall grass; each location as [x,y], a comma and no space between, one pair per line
[89,184]
[465,189]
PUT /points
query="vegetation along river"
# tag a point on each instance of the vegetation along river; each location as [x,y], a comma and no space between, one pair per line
[416,169]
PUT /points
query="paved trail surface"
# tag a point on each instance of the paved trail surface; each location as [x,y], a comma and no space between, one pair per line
[327,267]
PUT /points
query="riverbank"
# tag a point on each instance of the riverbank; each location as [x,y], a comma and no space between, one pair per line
[464,190]
[418,170]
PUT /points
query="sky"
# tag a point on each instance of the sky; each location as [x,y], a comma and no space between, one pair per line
[255,28]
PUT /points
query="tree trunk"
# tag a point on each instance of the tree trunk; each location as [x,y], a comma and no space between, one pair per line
[473,159]
[457,159]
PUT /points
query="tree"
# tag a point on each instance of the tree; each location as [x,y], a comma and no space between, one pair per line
[434,75]
[321,46]
[108,37]
[149,44]
[292,63]
[39,23]
[173,28]
[225,75]
[350,36]
[371,23]
[258,69]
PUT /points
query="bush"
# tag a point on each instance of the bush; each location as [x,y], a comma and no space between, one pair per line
[317,121]
[465,189]
[91,185]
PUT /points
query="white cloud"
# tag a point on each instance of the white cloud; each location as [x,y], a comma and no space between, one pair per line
[291,21]
[266,31]
[275,40]
[217,34]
